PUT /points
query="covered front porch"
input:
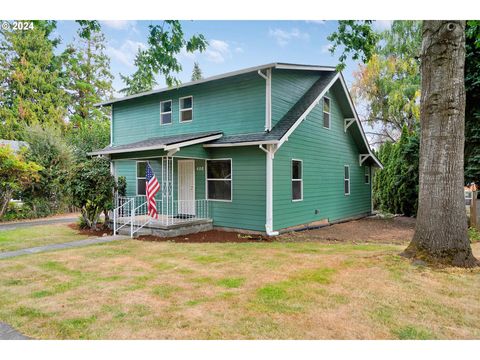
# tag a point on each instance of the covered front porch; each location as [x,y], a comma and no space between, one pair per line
[181,204]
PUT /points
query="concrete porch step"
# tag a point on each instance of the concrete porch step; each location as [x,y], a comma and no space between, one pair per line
[173,230]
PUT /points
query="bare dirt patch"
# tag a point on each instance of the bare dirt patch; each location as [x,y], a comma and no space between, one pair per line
[398,230]
[99,231]
[212,236]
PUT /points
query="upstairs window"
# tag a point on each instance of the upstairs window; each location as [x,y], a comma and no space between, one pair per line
[346,180]
[326,113]
[166,112]
[297,180]
[186,109]
[141,174]
[367,174]
[219,180]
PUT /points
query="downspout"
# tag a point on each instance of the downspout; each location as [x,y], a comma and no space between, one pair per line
[268,98]
[270,152]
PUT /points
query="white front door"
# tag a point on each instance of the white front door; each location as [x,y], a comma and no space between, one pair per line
[186,187]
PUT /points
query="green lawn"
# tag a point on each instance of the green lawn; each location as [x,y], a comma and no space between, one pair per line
[282,290]
[22,238]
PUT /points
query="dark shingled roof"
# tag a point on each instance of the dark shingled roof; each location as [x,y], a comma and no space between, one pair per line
[153,143]
[285,123]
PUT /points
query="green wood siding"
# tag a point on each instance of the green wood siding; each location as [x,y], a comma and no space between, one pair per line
[247,208]
[288,86]
[324,153]
[234,105]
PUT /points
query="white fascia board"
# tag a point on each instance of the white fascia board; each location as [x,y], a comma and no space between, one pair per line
[357,120]
[309,109]
[246,143]
[303,67]
[192,142]
[190,83]
[119,151]
[222,76]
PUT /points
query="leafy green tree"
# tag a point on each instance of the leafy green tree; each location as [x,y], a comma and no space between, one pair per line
[87,136]
[87,68]
[48,148]
[90,185]
[165,42]
[441,226]
[196,72]
[16,174]
[389,83]
[31,83]
[356,38]
[472,102]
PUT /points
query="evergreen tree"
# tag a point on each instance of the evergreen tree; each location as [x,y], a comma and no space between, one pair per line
[87,69]
[31,86]
[472,103]
[197,72]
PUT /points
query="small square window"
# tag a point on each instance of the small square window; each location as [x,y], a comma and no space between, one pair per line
[326,112]
[297,180]
[186,109]
[166,112]
[367,174]
[346,180]
[141,174]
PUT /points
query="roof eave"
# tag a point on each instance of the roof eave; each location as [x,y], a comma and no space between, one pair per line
[222,76]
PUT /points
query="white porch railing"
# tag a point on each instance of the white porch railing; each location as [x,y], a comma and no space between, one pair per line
[132,211]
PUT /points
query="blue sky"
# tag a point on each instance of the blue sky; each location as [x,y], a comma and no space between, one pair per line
[233,45]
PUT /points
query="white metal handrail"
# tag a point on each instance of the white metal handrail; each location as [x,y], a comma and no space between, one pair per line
[133,211]
[121,211]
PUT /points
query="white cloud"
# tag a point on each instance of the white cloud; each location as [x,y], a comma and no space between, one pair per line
[119,24]
[239,50]
[126,52]
[319,22]
[284,37]
[218,51]
[326,48]
[381,25]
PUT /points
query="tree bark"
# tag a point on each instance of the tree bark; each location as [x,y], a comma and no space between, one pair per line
[441,229]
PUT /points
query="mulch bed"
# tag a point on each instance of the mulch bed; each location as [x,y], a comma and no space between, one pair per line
[212,236]
[98,232]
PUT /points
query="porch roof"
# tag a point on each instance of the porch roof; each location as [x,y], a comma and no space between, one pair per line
[160,143]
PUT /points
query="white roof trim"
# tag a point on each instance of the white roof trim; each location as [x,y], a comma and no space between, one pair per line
[349,98]
[192,142]
[157,147]
[246,143]
[306,112]
[221,76]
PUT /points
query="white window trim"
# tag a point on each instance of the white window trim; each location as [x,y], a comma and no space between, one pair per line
[325,112]
[298,180]
[346,179]
[180,110]
[367,174]
[137,177]
[166,112]
[207,179]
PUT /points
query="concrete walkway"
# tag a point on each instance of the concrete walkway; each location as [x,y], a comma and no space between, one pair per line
[61,246]
[23,224]
[9,333]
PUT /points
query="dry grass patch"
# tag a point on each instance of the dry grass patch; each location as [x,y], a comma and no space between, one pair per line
[309,290]
[39,235]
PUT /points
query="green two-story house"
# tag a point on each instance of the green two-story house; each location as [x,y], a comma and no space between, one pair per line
[265,149]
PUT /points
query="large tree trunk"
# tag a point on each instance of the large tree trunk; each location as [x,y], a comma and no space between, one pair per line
[441,230]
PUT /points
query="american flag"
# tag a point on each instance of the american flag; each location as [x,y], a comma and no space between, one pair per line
[152,187]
